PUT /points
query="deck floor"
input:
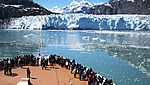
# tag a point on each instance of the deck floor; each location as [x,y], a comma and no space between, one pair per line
[51,76]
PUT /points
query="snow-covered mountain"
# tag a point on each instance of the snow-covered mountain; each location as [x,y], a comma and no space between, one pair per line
[74,7]
[83,21]
[56,9]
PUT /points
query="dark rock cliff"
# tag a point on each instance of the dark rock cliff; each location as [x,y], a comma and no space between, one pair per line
[100,9]
[141,7]
[19,8]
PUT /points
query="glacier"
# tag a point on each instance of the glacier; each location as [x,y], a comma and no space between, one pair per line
[82,22]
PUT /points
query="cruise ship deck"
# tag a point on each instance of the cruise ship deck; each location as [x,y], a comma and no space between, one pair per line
[50,76]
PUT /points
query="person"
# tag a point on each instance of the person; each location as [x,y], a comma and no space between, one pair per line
[37,60]
[98,80]
[42,59]
[67,64]
[10,68]
[93,79]
[0,65]
[106,82]
[28,73]
[74,71]
[52,60]
[80,71]
[62,62]
[101,80]
[71,67]
[34,60]
[44,64]
[89,79]
[29,82]
[20,62]
[5,67]
[84,73]
[110,82]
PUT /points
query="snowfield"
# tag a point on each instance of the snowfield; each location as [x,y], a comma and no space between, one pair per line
[82,21]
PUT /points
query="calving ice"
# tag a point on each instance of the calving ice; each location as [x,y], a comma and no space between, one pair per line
[82,21]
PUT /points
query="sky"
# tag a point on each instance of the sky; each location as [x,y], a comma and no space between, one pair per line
[61,3]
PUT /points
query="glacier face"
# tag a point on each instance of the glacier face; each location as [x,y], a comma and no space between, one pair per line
[82,21]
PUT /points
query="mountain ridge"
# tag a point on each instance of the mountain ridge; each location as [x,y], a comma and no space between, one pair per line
[140,7]
[19,8]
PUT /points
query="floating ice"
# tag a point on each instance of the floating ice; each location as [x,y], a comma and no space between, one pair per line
[102,40]
[86,37]
[95,38]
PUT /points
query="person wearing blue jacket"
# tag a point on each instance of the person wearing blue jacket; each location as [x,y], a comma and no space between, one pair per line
[80,71]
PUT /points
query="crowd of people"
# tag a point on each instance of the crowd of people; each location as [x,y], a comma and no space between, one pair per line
[84,73]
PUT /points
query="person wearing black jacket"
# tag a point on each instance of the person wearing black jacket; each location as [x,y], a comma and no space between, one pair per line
[28,73]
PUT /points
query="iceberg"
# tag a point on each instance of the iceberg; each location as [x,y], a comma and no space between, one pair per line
[82,21]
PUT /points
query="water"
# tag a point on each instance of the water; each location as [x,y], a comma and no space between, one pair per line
[123,56]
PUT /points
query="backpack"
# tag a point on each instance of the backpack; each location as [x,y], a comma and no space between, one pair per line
[74,70]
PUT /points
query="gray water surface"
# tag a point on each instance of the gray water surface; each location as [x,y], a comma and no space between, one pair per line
[123,56]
